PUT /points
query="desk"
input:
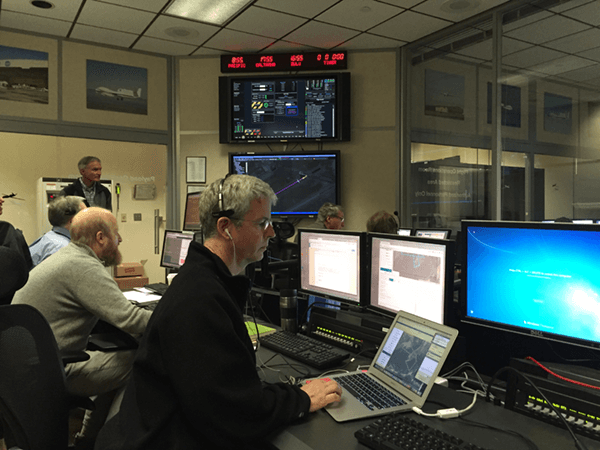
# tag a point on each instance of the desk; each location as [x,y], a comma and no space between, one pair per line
[320,431]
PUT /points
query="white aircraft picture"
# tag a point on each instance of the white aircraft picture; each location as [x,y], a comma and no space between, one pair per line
[119,94]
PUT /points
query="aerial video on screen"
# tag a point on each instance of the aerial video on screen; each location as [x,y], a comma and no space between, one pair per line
[302,183]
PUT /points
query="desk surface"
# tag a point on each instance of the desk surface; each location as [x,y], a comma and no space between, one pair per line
[320,431]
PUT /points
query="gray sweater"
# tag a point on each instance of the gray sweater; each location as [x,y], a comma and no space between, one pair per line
[73,289]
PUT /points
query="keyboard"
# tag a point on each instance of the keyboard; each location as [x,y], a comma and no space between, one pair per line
[369,392]
[304,349]
[399,431]
[159,288]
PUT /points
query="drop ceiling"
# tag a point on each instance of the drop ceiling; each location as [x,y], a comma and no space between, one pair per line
[552,39]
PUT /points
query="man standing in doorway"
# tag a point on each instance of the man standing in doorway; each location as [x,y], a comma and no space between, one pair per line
[88,186]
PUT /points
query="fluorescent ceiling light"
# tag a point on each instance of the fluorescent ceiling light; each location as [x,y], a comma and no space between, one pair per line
[216,12]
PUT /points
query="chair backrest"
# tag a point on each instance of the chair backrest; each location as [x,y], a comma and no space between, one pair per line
[34,403]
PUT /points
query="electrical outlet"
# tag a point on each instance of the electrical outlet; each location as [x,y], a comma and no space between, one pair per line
[137,217]
[123,217]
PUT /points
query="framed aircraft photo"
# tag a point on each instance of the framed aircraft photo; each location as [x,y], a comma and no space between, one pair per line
[116,87]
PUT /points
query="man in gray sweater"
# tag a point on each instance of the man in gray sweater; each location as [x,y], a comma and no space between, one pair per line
[73,290]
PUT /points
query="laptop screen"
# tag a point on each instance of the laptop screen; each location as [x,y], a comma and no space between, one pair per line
[412,353]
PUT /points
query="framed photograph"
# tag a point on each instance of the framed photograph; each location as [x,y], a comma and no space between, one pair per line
[196,169]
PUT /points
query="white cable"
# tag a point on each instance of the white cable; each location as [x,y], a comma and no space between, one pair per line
[449,413]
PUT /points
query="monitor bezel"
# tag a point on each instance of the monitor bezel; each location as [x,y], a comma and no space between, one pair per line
[448,232]
[509,328]
[162,253]
[342,107]
[187,201]
[363,280]
[285,214]
[450,316]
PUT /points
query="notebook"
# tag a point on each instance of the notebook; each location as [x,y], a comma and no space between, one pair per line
[405,367]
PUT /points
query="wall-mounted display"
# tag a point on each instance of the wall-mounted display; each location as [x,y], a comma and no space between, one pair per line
[444,94]
[510,105]
[23,75]
[558,113]
[116,87]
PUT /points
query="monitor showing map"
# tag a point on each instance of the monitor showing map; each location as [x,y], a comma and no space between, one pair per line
[303,181]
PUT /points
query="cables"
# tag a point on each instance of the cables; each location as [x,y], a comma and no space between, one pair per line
[448,413]
[578,383]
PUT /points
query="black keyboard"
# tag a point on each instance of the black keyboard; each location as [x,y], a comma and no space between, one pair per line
[369,392]
[159,288]
[399,431]
[304,349]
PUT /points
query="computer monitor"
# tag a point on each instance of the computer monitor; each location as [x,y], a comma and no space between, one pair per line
[433,233]
[533,278]
[405,231]
[191,217]
[583,221]
[412,274]
[331,264]
[175,248]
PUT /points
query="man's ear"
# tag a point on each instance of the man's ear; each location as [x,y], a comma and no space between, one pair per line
[223,224]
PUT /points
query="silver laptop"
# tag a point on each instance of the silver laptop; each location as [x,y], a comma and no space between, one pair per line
[404,369]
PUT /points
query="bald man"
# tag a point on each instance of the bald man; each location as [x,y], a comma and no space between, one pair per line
[73,291]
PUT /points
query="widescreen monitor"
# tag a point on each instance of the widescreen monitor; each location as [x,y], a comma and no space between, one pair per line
[413,275]
[533,278]
[332,265]
[433,233]
[175,248]
[191,217]
[303,181]
[265,108]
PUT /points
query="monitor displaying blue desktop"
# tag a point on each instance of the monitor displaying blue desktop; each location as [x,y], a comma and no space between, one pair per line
[175,248]
[331,264]
[411,274]
[538,279]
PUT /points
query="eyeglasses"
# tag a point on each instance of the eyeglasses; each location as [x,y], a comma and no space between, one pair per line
[337,217]
[263,224]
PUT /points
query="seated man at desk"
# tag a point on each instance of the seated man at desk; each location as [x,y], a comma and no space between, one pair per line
[194,383]
[61,212]
[73,290]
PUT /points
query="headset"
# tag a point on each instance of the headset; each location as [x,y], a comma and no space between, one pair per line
[222,212]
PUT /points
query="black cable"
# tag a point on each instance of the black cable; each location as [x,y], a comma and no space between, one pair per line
[528,441]
[578,444]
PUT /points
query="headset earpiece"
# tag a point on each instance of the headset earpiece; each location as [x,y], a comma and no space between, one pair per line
[227,233]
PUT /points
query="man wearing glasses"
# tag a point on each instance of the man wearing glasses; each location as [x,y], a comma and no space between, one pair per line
[331,216]
[194,382]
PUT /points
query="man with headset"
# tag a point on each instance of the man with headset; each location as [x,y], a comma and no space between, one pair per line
[194,382]
[61,212]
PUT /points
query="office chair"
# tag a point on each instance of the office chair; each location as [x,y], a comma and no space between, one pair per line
[34,402]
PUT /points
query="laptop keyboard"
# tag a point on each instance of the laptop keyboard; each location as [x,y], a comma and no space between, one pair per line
[369,392]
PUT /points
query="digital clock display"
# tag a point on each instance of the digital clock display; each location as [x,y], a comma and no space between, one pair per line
[284,62]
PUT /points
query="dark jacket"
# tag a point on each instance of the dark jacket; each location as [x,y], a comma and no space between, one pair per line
[102,198]
[194,382]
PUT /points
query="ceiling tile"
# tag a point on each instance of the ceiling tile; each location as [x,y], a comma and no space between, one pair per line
[62,10]
[320,35]
[284,46]
[410,26]
[180,30]
[526,21]
[483,50]
[113,17]
[586,73]
[402,3]
[578,42]
[202,51]
[103,36]
[149,44]
[589,13]
[456,10]
[368,41]
[304,8]
[593,53]
[531,57]
[238,42]
[560,65]
[562,7]
[144,5]
[272,24]
[358,14]
[34,23]
[549,29]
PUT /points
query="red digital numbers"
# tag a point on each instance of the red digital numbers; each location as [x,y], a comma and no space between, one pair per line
[297,58]
[266,59]
[237,60]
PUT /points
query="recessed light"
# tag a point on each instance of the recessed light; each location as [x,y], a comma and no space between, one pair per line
[42,4]
[181,32]
[460,6]
[365,9]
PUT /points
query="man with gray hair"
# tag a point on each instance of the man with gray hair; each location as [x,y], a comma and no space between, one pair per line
[196,359]
[330,216]
[88,186]
[73,290]
[61,212]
